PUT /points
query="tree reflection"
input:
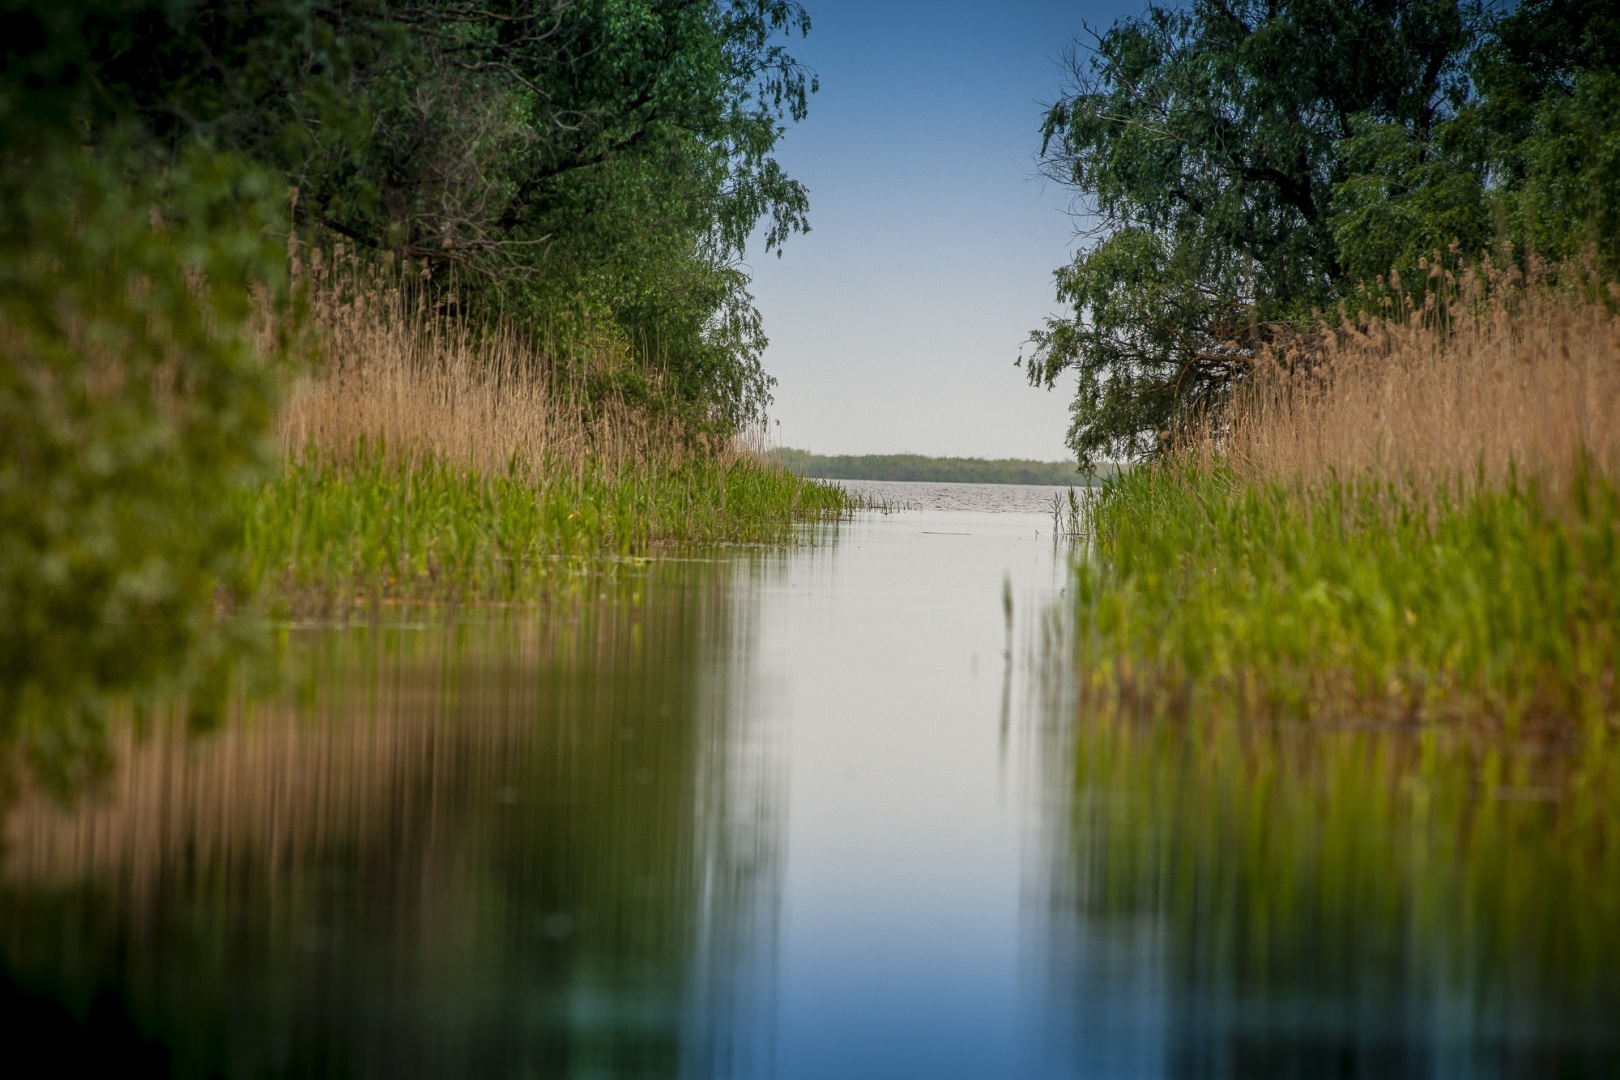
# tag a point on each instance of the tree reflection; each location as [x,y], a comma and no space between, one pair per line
[1237,900]
[499,845]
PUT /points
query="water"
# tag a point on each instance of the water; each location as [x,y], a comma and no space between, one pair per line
[820,812]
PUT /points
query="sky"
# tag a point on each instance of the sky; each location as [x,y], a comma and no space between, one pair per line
[895,322]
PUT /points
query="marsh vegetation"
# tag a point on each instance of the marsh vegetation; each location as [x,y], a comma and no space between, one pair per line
[422,458]
[403,616]
[1351,296]
[1413,518]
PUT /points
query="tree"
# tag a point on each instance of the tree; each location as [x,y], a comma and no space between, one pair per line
[1549,82]
[1529,164]
[1208,144]
[554,154]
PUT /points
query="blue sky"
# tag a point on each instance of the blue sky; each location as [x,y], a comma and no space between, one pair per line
[895,322]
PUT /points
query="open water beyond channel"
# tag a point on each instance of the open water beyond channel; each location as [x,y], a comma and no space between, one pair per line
[821,812]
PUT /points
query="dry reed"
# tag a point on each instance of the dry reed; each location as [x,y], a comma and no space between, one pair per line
[393,371]
[1489,377]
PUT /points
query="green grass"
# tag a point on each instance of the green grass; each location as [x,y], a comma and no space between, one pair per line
[1354,597]
[419,527]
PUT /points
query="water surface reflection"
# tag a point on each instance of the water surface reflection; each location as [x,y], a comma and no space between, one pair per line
[1252,900]
[829,811]
[506,845]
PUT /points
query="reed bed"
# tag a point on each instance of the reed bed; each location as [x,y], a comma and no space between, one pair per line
[381,524]
[425,458]
[1493,378]
[1415,518]
[391,369]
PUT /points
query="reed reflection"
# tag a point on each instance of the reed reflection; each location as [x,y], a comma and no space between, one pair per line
[1246,900]
[499,846]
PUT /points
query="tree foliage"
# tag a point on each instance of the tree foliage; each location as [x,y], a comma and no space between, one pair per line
[1246,162]
[569,162]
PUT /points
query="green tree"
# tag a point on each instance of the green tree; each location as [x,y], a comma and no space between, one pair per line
[1550,95]
[1530,163]
[1207,143]
[605,156]
[1249,164]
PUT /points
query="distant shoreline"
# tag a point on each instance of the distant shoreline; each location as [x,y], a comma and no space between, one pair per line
[949,470]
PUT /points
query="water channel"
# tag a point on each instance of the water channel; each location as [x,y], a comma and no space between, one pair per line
[827,811]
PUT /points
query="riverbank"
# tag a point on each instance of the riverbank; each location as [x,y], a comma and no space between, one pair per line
[418,526]
[423,459]
[1356,599]
[1425,524]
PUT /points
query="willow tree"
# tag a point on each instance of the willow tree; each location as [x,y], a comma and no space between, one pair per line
[1206,144]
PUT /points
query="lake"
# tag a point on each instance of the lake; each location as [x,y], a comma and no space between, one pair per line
[834,810]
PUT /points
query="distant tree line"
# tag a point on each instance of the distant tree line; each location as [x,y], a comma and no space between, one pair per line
[955,470]
[1247,163]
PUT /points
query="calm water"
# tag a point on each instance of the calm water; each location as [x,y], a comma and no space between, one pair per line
[823,812]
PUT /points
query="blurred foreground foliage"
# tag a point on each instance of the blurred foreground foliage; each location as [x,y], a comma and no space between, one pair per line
[132,398]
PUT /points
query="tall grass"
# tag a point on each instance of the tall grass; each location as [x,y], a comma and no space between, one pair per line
[1420,518]
[1356,598]
[391,369]
[1493,376]
[425,457]
[381,523]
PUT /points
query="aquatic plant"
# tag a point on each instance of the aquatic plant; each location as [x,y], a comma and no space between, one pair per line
[378,523]
[1357,596]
